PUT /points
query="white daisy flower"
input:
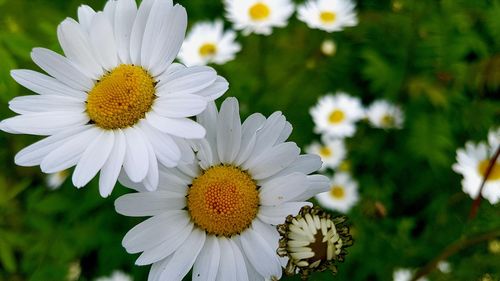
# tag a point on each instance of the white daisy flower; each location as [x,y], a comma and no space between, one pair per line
[220,213]
[208,43]
[404,274]
[328,47]
[115,99]
[55,180]
[335,115]
[494,138]
[258,16]
[383,114]
[472,163]
[332,152]
[343,193]
[328,15]
[116,276]
[444,266]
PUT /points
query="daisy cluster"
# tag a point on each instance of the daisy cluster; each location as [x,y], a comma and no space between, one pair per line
[335,117]
[215,187]
[473,162]
[208,42]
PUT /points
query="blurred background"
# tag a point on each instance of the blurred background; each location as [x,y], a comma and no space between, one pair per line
[439,60]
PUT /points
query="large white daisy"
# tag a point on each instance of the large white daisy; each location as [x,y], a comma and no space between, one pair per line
[328,15]
[343,193]
[385,115]
[220,213]
[208,43]
[331,151]
[472,163]
[115,99]
[336,115]
[258,16]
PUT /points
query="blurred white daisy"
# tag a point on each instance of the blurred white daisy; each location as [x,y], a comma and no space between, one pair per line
[444,266]
[404,274]
[385,115]
[328,15]
[328,47]
[343,193]
[336,115]
[258,16]
[220,213]
[55,180]
[331,151]
[494,138]
[472,164]
[208,43]
[116,276]
[115,99]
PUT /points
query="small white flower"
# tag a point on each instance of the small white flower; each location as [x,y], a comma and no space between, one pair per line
[385,115]
[116,276]
[328,47]
[258,16]
[472,163]
[343,193]
[336,115]
[219,214]
[116,99]
[328,15]
[404,274]
[494,138]
[208,43]
[444,266]
[55,180]
[332,152]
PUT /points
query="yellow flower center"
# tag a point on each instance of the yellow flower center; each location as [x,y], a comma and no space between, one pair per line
[259,11]
[336,116]
[121,98]
[208,49]
[223,201]
[327,17]
[495,172]
[325,151]
[337,192]
[388,120]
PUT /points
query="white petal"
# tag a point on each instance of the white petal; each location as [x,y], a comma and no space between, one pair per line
[93,158]
[206,266]
[179,105]
[215,90]
[317,184]
[39,103]
[187,80]
[152,177]
[228,131]
[45,123]
[277,214]
[239,261]
[165,148]
[62,69]
[69,152]
[143,204]
[249,136]
[125,13]
[85,15]
[103,42]
[285,133]
[34,154]
[187,154]
[160,11]
[227,265]
[269,133]
[262,257]
[185,256]
[283,189]
[75,44]
[111,169]
[180,127]
[305,164]
[138,30]
[136,162]
[157,269]
[45,85]
[272,162]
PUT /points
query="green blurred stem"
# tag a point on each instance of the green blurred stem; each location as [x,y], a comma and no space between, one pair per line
[477,201]
[453,248]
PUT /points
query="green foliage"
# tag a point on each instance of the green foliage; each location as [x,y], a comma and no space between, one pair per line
[439,60]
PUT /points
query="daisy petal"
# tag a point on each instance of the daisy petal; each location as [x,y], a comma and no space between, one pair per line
[227,265]
[85,16]
[111,169]
[277,214]
[143,204]
[283,189]
[103,42]
[125,13]
[187,80]
[137,32]
[177,105]
[206,265]
[228,131]
[241,269]
[45,103]
[180,127]
[262,257]
[165,148]
[45,123]
[160,11]
[136,162]
[277,159]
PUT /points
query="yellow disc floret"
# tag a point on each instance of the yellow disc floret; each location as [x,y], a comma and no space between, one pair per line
[495,171]
[327,17]
[208,49]
[121,98]
[259,11]
[325,151]
[223,200]
[337,192]
[336,116]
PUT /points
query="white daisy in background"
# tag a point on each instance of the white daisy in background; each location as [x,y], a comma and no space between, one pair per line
[115,99]
[116,276]
[404,274]
[494,138]
[220,213]
[336,115]
[343,193]
[444,266]
[331,151]
[472,163]
[208,43]
[385,115]
[328,47]
[258,16]
[55,180]
[328,15]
